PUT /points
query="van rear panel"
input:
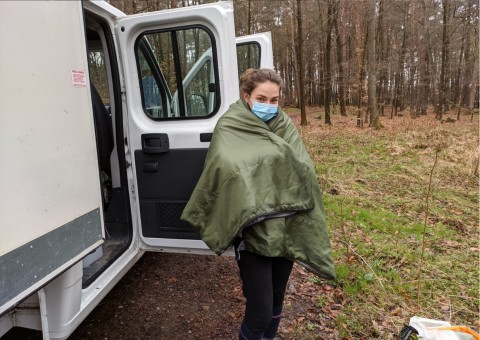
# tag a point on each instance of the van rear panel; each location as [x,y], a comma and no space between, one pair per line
[50,202]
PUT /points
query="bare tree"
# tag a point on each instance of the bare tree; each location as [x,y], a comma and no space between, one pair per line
[301,66]
[328,65]
[426,50]
[398,100]
[423,62]
[340,81]
[471,34]
[442,91]
[372,77]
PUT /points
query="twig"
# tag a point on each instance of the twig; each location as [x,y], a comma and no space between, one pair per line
[424,232]
[342,223]
[450,309]
[366,263]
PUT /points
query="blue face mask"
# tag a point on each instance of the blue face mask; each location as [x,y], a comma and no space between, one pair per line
[264,111]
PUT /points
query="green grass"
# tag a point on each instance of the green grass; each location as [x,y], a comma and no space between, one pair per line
[376,225]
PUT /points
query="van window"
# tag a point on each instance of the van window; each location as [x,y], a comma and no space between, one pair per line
[178,73]
[98,73]
[248,56]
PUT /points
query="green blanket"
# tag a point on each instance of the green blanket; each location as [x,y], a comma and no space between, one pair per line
[259,181]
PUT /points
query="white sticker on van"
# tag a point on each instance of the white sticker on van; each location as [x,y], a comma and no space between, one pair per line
[78,78]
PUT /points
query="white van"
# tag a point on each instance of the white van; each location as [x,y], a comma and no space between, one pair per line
[105,123]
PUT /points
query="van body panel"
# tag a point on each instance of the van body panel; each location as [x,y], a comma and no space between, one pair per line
[51,210]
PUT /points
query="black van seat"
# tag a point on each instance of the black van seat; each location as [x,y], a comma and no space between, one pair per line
[103,130]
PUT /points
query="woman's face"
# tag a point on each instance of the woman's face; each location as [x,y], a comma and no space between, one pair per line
[267,93]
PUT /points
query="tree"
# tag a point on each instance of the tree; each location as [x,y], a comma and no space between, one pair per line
[328,66]
[442,100]
[372,77]
[423,43]
[301,66]
[340,81]
[398,100]
[426,50]
[471,51]
[360,59]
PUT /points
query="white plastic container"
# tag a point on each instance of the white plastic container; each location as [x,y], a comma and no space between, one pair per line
[63,298]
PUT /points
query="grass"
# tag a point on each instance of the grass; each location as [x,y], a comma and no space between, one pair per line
[375,185]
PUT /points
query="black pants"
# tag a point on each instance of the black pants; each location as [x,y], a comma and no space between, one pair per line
[264,283]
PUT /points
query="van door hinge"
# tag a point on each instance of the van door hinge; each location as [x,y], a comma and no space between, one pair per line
[132,188]
[128,164]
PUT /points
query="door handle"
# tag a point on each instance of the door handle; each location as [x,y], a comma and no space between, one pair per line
[206,137]
[150,166]
[155,143]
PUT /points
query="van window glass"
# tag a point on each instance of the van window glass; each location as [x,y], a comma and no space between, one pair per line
[248,56]
[98,74]
[151,90]
[177,73]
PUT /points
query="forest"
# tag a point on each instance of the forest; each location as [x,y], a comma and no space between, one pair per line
[370,58]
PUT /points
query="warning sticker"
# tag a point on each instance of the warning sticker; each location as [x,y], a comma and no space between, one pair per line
[78,78]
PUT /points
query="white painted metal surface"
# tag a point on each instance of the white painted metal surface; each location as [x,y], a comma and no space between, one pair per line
[47,145]
[264,40]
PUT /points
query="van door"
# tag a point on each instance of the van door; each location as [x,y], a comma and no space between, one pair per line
[171,111]
[254,51]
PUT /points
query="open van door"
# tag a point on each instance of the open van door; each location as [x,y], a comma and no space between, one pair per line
[169,123]
[254,51]
[178,83]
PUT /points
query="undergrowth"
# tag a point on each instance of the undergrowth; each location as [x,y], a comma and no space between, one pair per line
[375,185]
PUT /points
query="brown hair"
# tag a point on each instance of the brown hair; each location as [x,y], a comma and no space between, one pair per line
[254,76]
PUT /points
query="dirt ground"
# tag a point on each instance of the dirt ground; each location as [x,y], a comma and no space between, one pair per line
[177,296]
[171,296]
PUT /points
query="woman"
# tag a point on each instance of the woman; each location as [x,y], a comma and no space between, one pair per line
[259,192]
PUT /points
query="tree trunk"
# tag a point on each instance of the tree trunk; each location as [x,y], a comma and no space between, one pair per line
[467,98]
[249,30]
[321,56]
[442,103]
[382,62]
[468,86]
[422,86]
[372,77]
[249,18]
[301,66]
[399,78]
[341,83]
[328,66]
[294,60]
[360,54]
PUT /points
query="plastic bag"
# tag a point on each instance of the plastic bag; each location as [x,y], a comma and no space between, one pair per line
[429,329]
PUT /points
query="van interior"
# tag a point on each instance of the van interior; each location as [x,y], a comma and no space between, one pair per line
[110,140]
